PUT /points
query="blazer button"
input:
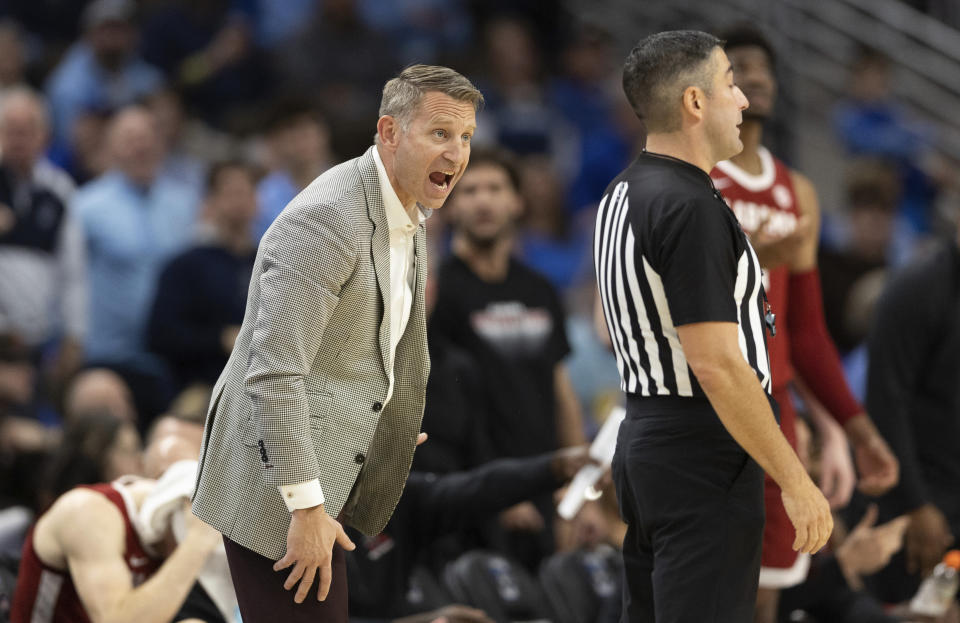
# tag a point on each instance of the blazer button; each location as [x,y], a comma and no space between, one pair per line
[378,406]
[359,459]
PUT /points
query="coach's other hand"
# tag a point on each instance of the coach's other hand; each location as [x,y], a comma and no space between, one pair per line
[310,541]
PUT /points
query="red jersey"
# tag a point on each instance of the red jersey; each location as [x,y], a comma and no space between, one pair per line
[754,198]
[805,345]
[48,595]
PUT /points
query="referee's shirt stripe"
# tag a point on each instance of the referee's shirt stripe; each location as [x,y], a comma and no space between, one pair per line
[748,324]
[639,323]
[603,239]
[757,322]
[655,334]
[739,291]
[629,314]
[680,369]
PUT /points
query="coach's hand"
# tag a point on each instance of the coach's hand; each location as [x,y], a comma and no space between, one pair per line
[310,541]
[810,514]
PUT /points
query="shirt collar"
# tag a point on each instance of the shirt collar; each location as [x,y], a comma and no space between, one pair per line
[397,217]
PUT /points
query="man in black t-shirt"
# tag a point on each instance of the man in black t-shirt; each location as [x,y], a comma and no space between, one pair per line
[511,320]
[681,293]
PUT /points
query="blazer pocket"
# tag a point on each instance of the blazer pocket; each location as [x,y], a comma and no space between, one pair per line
[248,433]
[319,409]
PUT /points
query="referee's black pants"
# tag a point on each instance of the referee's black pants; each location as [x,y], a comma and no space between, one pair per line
[693,502]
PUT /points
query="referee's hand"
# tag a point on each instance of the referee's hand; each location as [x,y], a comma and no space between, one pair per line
[810,514]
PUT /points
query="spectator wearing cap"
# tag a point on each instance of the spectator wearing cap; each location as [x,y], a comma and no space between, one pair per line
[202,293]
[134,220]
[101,72]
[42,280]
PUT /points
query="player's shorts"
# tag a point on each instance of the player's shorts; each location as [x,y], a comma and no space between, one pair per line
[780,565]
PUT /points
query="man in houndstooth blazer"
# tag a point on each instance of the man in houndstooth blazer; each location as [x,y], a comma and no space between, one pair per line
[316,415]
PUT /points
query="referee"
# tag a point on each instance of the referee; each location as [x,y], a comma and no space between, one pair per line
[681,293]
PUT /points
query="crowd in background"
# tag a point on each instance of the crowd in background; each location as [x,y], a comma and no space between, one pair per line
[146,147]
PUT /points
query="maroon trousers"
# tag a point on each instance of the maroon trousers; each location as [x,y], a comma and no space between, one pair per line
[263,599]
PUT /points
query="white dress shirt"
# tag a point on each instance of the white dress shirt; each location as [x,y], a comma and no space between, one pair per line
[402,232]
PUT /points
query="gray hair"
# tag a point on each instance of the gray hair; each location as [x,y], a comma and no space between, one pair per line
[402,94]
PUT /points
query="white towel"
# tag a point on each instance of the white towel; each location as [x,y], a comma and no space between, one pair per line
[164,508]
[602,449]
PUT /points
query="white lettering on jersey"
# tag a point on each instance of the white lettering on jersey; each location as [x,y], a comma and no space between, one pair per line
[782,196]
[750,215]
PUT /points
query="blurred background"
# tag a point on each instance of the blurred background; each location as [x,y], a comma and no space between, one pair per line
[291,87]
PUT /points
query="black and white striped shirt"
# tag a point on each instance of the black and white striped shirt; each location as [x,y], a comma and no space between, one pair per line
[668,251]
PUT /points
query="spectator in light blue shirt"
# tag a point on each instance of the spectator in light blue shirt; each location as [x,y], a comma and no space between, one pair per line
[134,219]
[99,72]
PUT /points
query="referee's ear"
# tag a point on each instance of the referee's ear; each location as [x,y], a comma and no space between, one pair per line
[693,102]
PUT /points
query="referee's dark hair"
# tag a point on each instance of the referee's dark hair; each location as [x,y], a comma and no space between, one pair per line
[658,70]
[745,34]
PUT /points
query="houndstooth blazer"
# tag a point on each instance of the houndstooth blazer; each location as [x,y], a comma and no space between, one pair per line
[302,394]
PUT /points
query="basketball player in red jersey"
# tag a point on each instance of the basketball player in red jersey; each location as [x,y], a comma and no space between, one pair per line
[83,561]
[778,209]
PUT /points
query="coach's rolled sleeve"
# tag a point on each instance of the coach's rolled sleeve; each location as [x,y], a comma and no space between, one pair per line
[309,253]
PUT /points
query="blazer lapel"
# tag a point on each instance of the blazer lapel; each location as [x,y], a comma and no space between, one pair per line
[418,313]
[379,246]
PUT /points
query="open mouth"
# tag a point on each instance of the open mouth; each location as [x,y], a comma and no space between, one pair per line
[441,179]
